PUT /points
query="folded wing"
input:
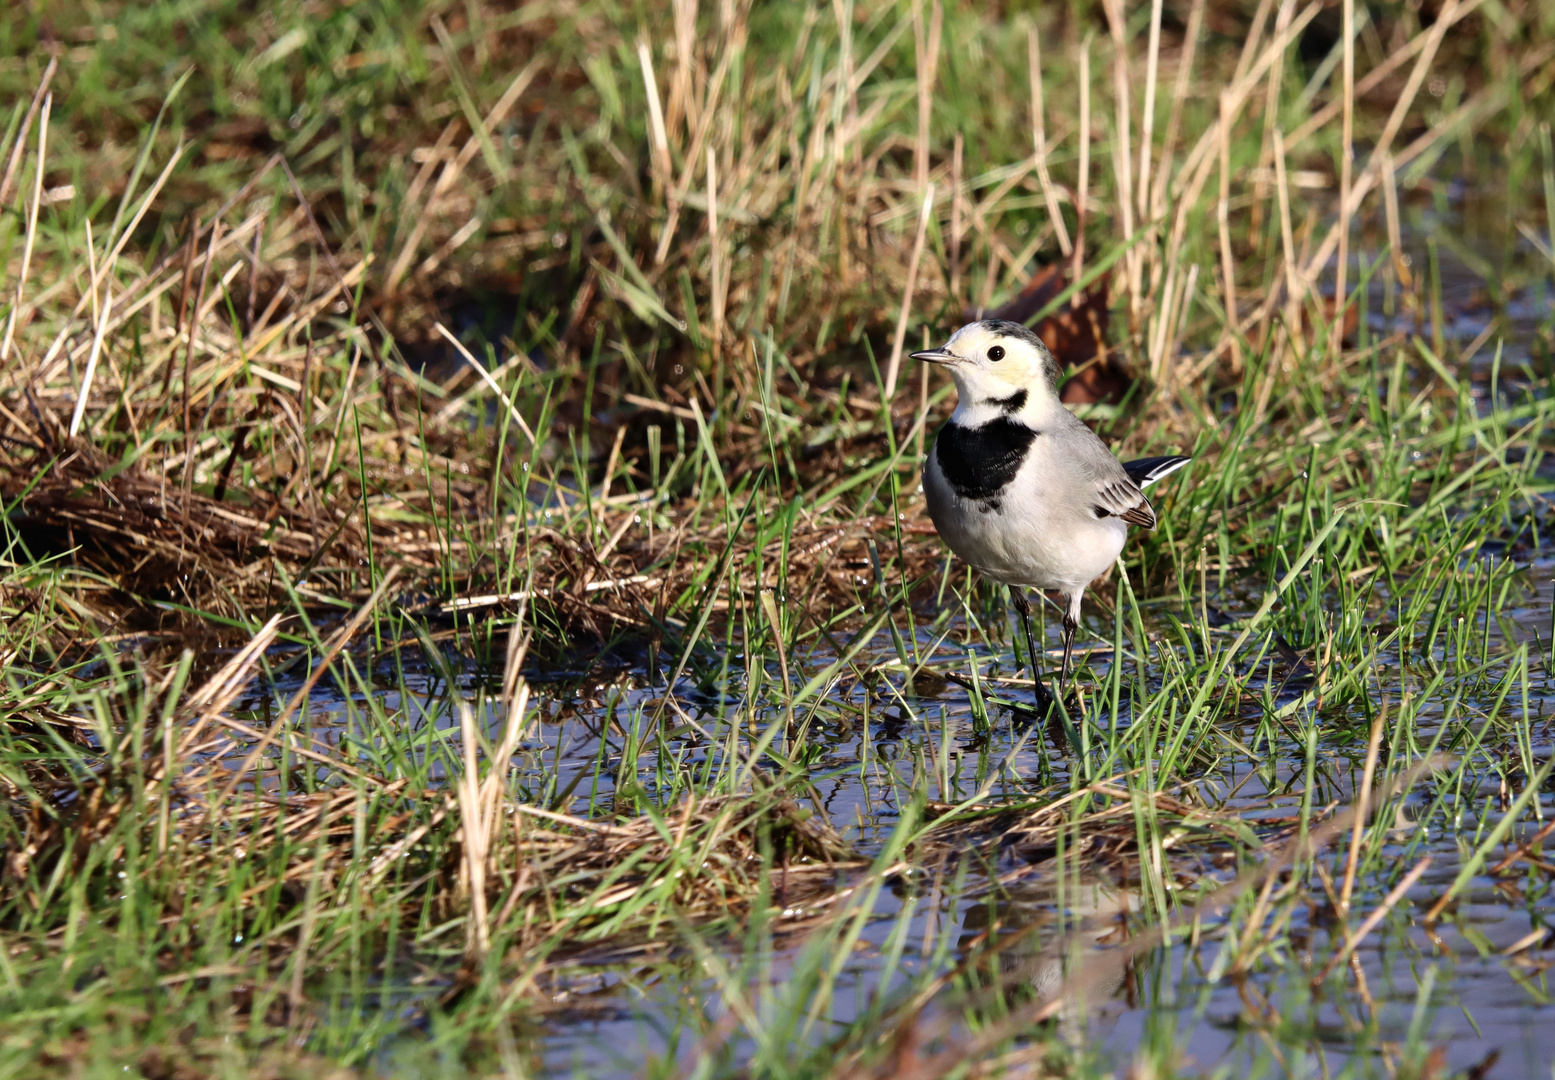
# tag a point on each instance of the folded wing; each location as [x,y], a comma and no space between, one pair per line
[1120,498]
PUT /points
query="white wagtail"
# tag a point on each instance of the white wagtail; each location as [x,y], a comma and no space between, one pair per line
[1018,486]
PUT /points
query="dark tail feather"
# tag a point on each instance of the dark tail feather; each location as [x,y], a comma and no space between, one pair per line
[1146,471]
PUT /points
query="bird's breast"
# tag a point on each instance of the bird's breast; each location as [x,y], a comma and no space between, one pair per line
[1006,502]
[980,462]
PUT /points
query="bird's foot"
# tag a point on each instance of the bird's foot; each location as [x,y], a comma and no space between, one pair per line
[1045,699]
[1062,715]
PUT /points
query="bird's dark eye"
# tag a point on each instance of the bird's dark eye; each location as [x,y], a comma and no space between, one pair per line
[996,353]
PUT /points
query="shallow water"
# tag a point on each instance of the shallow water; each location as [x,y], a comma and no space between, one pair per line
[1480,1001]
[606,1014]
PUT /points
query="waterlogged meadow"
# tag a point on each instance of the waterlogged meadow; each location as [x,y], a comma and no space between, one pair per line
[468,602]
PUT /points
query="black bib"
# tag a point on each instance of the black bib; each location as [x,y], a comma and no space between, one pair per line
[979,462]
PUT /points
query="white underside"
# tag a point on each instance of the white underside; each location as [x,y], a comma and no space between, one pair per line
[1045,534]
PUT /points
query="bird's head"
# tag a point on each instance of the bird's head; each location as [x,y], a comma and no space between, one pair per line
[1001,364]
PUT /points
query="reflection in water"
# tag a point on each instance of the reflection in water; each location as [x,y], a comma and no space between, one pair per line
[1052,926]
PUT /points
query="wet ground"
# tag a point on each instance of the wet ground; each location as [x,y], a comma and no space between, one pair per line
[1477,981]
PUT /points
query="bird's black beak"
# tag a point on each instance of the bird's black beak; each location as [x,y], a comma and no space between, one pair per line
[936,356]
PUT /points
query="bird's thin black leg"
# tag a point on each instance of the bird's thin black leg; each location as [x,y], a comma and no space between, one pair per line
[1023,606]
[1070,625]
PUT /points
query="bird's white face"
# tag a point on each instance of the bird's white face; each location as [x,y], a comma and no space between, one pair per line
[997,363]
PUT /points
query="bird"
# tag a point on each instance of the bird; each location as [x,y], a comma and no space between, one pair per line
[1019,487]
